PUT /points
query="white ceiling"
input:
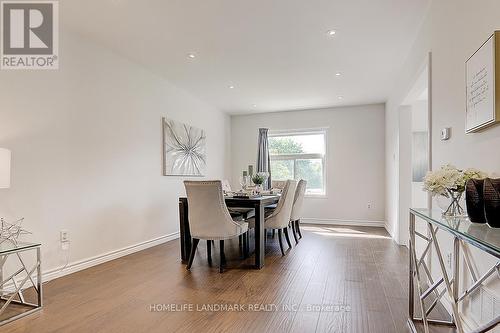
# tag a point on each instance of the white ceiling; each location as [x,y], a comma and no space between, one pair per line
[276,53]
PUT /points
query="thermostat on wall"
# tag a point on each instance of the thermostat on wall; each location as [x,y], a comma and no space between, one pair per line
[445,133]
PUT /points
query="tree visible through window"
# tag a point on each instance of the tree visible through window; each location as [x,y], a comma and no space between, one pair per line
[299,155]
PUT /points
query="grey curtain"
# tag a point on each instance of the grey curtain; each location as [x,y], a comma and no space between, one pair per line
[263,159]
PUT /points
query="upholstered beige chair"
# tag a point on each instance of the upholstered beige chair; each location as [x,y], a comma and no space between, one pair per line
[278,184]
[209,218]
[280,217]
[298,202]
[236,212]
[226,186]
[275,185]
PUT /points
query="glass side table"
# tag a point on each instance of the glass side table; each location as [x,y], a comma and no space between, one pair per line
[20,294]
[464,233]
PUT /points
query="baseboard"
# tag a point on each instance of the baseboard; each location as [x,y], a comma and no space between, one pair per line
[99,259]
[388,229]
[94,261]
[358,223]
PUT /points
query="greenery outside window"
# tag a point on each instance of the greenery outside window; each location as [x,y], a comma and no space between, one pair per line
[300,155]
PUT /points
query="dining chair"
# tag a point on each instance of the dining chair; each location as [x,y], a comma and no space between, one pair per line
[209,218]
[280,218]
[226,186]
[235,212]
[278,184]
[298,202]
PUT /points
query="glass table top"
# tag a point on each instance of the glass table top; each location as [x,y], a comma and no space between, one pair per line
[7,246]
[479,234]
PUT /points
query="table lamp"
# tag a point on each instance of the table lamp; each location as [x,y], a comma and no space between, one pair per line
[4,168]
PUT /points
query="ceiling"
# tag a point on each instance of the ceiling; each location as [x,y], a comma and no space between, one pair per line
[276,53]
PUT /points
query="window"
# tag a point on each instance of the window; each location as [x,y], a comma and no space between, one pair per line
[299,155]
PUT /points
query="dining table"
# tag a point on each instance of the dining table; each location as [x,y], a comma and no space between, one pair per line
[256,202]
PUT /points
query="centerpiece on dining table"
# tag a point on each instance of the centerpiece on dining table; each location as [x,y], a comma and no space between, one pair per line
[449,183]
[259,179]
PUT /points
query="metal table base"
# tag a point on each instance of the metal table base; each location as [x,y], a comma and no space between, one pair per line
[420,276]
[20,279]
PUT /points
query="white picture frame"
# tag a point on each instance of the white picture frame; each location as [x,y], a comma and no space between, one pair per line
[482,100]
[184,149]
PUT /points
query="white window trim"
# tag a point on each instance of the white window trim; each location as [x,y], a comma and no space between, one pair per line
[324,157]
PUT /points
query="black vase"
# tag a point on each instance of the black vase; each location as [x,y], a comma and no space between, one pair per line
[474,200]
[491,192]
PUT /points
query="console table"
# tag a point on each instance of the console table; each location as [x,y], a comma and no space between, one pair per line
[13,303]
[463,232]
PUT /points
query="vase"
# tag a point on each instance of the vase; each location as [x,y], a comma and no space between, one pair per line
[454,206]
[474,199]
[258,188]
[491,192]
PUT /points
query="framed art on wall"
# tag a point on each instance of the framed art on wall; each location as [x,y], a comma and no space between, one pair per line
[483,98]
[184,149]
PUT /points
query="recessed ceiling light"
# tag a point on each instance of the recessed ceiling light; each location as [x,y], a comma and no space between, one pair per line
[338,74]
[191,55]
[254,105]
[331,32]
[340,97]
[231,87]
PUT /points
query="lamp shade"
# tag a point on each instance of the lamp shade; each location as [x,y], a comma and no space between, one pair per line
[4,168]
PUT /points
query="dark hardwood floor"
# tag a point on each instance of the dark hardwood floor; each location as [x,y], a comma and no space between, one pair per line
[337,279]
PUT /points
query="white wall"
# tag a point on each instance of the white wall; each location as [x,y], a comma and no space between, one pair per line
[355,158]
[453,30]
[86,146]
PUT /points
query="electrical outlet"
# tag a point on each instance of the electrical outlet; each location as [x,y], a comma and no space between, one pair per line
[64,236]
[369,205]
[449,259]
[487,305]
[65,246]
[496,306]
[475,304]
[484,305]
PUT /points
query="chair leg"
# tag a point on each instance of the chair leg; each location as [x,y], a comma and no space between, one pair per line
[274,232]
[240,244]
[285,229]
[209,252]
[297,226]
[248,243]
[294,233]
[193,251]
[265,238]
[245,245]
[222,257]
[280,238]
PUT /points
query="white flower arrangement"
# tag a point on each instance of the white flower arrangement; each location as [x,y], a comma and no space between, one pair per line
[449,179]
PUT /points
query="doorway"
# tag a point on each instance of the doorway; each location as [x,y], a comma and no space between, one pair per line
[415,154]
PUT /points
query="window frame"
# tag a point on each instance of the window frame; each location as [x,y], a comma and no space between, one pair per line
[295,157]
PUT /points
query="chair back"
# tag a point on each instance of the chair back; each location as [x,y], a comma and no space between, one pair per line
[278,184]
[208,215]
[280,218]
[298,200]
[226,187]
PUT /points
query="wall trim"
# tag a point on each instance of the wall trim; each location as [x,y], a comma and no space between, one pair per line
[105,257]
[99,259]
[359,223]
[388,228]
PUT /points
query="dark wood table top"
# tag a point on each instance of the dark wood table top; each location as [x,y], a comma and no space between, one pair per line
[247,202]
